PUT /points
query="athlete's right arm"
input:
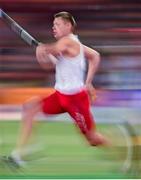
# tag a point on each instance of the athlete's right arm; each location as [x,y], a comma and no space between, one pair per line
[46,53]
[43,57]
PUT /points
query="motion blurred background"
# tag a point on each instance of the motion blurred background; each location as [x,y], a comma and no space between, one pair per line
[112,27]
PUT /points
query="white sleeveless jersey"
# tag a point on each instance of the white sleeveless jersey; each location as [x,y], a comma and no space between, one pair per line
[70,72]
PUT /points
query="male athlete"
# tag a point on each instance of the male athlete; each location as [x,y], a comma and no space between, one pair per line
[73,91]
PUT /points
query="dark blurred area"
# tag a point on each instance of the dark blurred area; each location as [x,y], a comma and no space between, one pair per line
[112,27]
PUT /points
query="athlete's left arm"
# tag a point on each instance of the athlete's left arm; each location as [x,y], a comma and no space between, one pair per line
[93,58]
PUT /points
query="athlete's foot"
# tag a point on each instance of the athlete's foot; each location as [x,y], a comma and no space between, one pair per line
[16,158]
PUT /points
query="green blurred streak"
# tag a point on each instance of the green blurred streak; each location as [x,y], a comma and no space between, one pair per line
[61,152]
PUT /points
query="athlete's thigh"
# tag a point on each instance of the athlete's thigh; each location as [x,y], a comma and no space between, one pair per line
[79,109]
[83,119]
[51,104]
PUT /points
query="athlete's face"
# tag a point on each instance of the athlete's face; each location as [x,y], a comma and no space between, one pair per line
[60,27]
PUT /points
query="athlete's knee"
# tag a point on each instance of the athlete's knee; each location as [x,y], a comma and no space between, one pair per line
[91,142]
[90,138]
[31,106]
[96,139]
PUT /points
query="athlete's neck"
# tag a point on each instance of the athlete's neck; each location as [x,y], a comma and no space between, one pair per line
[67,35]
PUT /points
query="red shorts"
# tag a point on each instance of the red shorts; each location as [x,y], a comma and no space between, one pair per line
[76,105]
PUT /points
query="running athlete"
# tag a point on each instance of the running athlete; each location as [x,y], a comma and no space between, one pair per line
[73,91]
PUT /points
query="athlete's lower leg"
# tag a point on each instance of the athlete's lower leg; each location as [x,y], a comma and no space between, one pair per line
[30,109]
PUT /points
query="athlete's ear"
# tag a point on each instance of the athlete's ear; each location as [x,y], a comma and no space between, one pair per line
[68,24]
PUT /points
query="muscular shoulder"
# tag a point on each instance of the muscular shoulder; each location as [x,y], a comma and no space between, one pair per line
[67,41]
[68,45]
